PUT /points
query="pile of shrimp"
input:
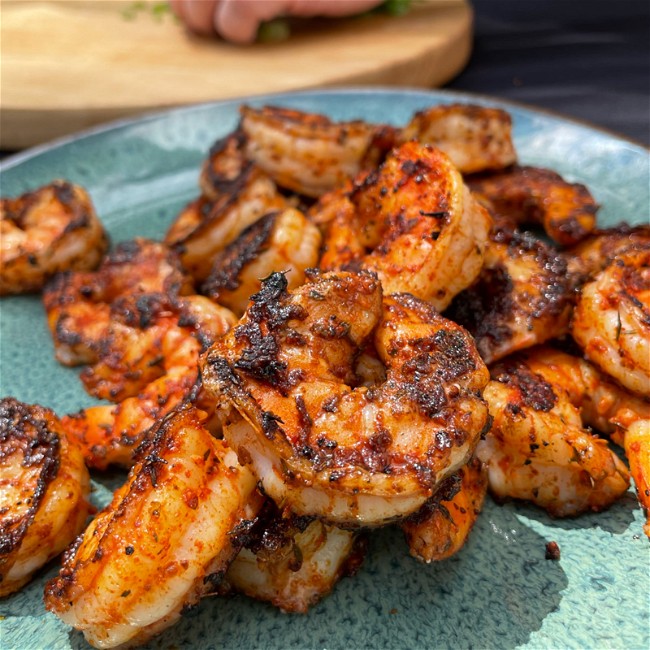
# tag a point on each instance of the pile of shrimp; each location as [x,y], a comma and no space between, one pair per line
[351,326]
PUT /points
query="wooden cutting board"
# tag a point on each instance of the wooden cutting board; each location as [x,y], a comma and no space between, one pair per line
[67,65]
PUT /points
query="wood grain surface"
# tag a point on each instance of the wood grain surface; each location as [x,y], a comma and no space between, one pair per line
[71,64]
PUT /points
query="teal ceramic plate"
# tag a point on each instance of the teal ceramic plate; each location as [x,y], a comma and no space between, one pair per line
[499,591]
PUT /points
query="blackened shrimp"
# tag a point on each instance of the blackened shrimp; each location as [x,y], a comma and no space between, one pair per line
[52,229]
[44,490]
[78,304]
[109,434]
[523,296]
[611,321]
[308,153]
[538,448]
[319,445]
[283,241]
[440,528]
[236,194]
[413,223]
[167,536]
[476,138]
[292,562]
[532,195]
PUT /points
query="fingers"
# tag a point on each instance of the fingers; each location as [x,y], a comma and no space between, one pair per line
[239,20]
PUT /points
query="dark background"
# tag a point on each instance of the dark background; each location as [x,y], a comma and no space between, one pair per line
[589,60]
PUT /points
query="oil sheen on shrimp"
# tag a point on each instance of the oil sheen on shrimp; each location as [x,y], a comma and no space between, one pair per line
[440,528]
[413,223]
[236,194]
[292,562]
[476,138]
[165,540]
[611,322]
[52,229]
[538,448]
[322,446]
[523,296]
[566,211]
[109,434]
[78,304]
[44,490]
[283,241]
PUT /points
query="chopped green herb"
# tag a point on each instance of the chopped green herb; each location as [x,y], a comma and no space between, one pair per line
[274,31]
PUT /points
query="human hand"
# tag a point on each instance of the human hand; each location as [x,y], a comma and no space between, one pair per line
[239,20]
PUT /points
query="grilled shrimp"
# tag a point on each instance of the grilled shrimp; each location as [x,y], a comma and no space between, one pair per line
[109,434]
[165,540]
[523,296]
[475,138]
[352,455]
[440,528]
[307,152]
[236,194]
[603,246]
[567,211]
[78,305]
[637,450]
[44,489]
[292,562]
[51,229]
[611,321]
[538,448]
[414,224]
[280,241]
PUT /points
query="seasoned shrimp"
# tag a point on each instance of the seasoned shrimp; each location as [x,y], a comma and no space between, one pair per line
[414,224]
[352,455]
[307,152]
[280,241]
[441,527]
[78,305]
[538,448]
[637,450]
[523,296]
[603,246]
[236,194]
[165,540]
[475,138]
[52,229]
[611,321]
[109,434]
[567,211]
[292,562]
[44,490]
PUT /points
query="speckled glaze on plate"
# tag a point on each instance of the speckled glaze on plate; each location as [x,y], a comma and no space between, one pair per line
[499,591]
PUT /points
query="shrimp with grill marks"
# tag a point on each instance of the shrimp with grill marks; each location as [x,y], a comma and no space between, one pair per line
[283,241]
[292,562]
[533,195]
[413,223]
[236,194]
[538,448]
[524,295]
[321,446]
[440,528]
[165,540]
[476,138]
[44,490]
[78,305]
[52,229]
[108,434]
[611,322]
